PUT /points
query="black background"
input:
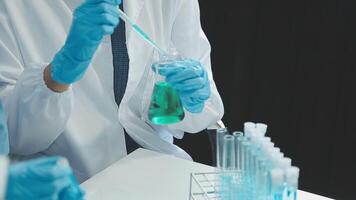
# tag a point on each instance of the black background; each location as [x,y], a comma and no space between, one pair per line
[290,64]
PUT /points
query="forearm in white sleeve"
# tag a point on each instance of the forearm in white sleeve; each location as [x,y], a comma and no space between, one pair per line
[4,163]
[191,41]
[36,115]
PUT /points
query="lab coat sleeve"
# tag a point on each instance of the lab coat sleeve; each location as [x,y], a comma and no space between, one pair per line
[36,115]
[189,38]
[4,163]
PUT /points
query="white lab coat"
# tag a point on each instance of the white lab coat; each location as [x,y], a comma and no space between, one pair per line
[84,124]
[4,163]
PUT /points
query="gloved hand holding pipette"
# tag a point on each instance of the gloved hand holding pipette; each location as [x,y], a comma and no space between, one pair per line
[91,22]
[190,79]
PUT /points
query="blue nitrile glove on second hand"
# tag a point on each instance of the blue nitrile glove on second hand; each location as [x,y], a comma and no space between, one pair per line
[4,139]
[190,79]
[44,178]
[92,20]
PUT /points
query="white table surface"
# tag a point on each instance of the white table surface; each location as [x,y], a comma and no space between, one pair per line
[147,175]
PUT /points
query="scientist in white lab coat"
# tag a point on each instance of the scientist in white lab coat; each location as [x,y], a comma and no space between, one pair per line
[66,65]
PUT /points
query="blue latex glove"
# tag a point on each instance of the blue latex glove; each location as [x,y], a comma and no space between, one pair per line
[73,192]
[4,139]
[44,178]
[190,79]
[91,22]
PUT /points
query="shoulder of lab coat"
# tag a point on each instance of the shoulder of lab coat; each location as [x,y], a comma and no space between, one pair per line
[4,162]
[191,41]
[32,108]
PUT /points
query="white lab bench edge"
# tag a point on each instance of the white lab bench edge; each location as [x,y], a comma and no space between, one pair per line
[147,175]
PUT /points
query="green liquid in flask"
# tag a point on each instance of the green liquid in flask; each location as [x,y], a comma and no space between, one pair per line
[166,106]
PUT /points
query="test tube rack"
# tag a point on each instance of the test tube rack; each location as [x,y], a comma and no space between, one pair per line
[207,185]
[249,167]
[204,186]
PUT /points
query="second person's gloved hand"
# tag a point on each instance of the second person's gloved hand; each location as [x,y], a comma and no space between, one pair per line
[190,79]
[91,22]
[44,178]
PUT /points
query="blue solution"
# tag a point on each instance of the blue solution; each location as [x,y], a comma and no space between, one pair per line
[278,196]
[225,180]
[278,192]
[231,186]
[291,194]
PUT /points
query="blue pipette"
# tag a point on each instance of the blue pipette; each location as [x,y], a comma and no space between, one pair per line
[140,32]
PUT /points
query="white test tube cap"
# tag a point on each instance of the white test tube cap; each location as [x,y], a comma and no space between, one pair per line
[249,125]
[275,158]
[249,128]
[266,143]
[276,149]
[267,139]
[285,163]
[265,146]
[270,154]
[261,129]
[292,175]
[277,177]
[280,154]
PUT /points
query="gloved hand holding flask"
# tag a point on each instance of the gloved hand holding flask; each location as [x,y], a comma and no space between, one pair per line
[190,79]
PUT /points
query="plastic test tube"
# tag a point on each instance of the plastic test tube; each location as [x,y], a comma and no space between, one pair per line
[264,182]
[261,129]
[292,176]
[229,153]
[277,183]
[228,165]
[238,157]
[255,169]
[246,145]
[220,133]
[266,145]
[242,159]
[262,179]
[247,167]
[285,163]
[258,172]
[249,127]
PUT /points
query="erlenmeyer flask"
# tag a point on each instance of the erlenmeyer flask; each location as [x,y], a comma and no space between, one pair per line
[166,106]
